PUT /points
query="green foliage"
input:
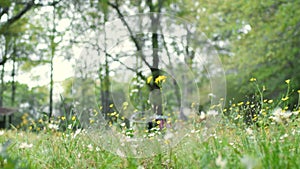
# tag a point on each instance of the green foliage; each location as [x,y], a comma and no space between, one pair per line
[5,3]
[261,41]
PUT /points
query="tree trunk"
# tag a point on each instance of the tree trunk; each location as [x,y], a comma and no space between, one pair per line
[2,85]
[4,59]
[53,48]
[51,86]
[154,88]
[13,74]
[105,81]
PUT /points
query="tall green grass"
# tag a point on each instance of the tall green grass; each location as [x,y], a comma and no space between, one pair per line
[252,134]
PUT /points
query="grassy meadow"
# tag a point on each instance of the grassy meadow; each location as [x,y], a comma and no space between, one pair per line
[233,138]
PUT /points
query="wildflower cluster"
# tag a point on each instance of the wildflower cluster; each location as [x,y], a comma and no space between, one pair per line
[159,80]
[57,123]
[262,111]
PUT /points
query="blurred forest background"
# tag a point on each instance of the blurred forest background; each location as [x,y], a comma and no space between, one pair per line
[259,39]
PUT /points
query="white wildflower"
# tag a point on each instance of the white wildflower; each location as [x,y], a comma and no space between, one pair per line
[120,153]
[286,114]
[249,131]
[211,95]
[134,90]
[25,145]
[283,136]
[1,132]
[53,126]
[76,133]
[202,115]
[212,113]
[151,135]
[70,126]
[90,147]
[295,113]
[279,115]
[141,167]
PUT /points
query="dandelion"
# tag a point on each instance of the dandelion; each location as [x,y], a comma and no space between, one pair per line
[160,79]
[270,101]
[287,81]
[111,105]
[298,91]
[252,79]
[237,117]
[63,118]
[193,105]
[25,145]
[279,115]
[113,114]
[167,142]
[285,98]
[149,79]
[240,103]
[73,118]
[125,104]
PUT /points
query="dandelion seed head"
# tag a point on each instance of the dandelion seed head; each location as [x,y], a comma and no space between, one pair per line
[248,161]
[221,162]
